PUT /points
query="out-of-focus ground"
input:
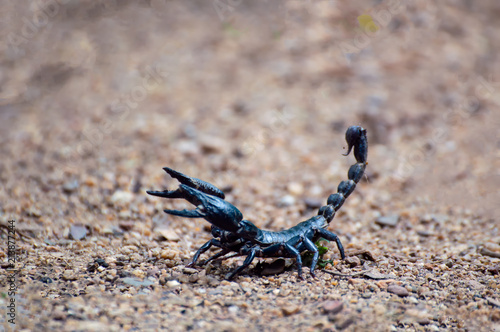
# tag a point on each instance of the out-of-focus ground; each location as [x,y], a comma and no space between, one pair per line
[255,97]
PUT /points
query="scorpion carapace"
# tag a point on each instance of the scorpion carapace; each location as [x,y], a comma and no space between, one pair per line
[233,234]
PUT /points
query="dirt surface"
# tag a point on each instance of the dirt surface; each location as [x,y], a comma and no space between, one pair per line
[253,96]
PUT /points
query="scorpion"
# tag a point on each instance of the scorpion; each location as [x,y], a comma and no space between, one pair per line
[233,234]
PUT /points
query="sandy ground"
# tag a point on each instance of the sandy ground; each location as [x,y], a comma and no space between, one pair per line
[97,96]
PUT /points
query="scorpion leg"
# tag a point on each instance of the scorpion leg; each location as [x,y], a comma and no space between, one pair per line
[331,237]
[298,260]
[251,255]
[312,247]
[286,249]
[220,254]
[203,248]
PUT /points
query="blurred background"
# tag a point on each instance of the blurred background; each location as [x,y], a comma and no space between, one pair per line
[251,95]
[254,96]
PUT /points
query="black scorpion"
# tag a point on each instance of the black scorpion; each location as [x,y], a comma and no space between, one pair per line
[234,234]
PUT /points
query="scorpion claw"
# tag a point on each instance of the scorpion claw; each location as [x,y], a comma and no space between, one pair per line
[215,210]
[186,213]
[164,193]
[195,183]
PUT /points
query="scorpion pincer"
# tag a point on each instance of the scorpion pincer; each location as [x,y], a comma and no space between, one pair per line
[241,237]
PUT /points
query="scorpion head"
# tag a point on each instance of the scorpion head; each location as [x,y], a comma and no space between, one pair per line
[248,231]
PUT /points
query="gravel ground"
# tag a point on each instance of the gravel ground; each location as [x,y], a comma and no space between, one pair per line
[97,96]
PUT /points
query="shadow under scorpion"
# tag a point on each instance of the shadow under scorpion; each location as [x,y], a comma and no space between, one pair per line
[235,235]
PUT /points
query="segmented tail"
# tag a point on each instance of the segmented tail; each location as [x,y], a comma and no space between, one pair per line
[356,138]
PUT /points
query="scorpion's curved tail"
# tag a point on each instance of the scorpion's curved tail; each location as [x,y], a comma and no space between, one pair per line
[356,138]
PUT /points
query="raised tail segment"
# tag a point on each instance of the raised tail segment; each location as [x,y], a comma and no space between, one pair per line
[356,138]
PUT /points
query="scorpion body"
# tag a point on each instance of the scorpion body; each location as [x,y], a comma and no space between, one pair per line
[234,234]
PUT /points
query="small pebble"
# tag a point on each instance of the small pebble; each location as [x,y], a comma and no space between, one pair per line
[167,234]
[295,188]
[313,203]
[46,280]
[189,270]
[136,282]
[69,275]
[77,232]
[423,321]
[378,276]
[212,144]
[390,221]
[287,200]
[290,309]
[425,233]
[139,273]
[494,270]
[122,197]
[168,254]
[126,225]
[332,307]
[353,261]
[413,300]
[70,186]
[233,309]
[173,283]
[101,262]
[433,327]
[398,290]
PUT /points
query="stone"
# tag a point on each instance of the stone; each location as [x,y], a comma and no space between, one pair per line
[70,186]
[136,282]
[313,203]
[290,309]
[376,275]
[122,197]
[173,283]
[332,307]
[390,221]
[353,261]
[77,232]
[287,200]
[398,290]
[295,188]
[167,234]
